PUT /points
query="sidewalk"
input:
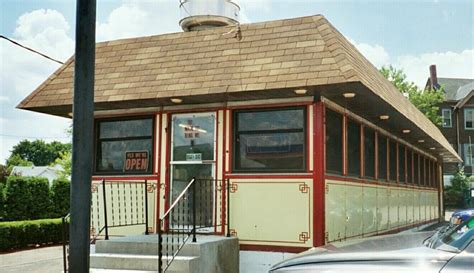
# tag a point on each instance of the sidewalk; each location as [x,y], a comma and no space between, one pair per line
[40,260]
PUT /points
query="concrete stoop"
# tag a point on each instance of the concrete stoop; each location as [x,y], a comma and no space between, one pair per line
[139,254]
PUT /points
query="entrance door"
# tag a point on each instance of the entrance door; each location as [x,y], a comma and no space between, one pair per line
[193,145]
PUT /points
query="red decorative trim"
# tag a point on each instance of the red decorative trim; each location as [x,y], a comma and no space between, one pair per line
[371,182]
[270,248]
[151,188]
[94,187]
[304,188]
[253,106]
[233,187]
[224,182]
[125,177]
[304,236]
[319,167]
[269,176]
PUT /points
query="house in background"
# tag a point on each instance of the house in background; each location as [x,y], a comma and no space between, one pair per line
[457,112]
[49,172]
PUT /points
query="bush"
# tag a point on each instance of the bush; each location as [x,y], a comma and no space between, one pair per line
[17,198]
[21,234]
[60,197]
[27,198]
[2,202]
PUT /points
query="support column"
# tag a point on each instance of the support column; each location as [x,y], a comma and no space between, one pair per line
[319,160]
[82,137]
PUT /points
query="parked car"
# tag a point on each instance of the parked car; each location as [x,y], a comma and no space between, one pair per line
[460,216]
[448,250]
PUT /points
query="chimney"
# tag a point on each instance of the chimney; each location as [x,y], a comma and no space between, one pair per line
[433,77]
[204,14]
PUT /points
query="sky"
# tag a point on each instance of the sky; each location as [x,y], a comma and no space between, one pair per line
[409,34]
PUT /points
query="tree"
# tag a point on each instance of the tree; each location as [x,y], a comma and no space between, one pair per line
[16,160]
[426,101]
[38,152]
[454,194]
[65,161]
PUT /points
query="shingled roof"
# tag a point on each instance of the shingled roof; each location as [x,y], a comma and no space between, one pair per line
[208,65]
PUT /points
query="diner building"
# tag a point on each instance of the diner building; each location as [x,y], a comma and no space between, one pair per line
[315,144]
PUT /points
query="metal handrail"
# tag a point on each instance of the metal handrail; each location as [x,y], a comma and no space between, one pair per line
[180,196]
[65,256]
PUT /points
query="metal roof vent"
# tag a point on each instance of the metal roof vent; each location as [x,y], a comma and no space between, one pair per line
[203,14]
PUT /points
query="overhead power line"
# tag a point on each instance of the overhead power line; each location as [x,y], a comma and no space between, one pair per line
[30,49]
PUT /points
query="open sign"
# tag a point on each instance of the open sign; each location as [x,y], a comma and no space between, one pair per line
[136,161]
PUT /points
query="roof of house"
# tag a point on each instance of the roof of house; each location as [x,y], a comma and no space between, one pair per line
[36,170]
[212,65]
[456,89]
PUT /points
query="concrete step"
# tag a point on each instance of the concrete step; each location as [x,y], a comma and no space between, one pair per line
[101,270]
[148,246]
[141,262]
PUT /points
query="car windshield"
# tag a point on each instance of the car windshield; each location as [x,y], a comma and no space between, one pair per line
[457,236]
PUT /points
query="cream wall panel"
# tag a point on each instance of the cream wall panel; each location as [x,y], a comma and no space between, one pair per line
[354,205]
[163,163]
[416,206]
[382,209]
[311,134]
[335,211]
[393,208]
[220,143]
[423,206]
[272,211]
[227,143]
[402,207]
[409,201]
[369,225]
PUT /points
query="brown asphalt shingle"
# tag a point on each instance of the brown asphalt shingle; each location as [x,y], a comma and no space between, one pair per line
[306,51]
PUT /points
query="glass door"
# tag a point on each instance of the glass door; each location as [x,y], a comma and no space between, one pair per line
[193,142]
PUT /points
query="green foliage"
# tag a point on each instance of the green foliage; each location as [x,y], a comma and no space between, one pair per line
[26,198]
[2,201]
[16,160]
[3,174]
[60,191]
[455,193]
[21,234]
[65,161]
[40,206]
[38,152]
[426,101]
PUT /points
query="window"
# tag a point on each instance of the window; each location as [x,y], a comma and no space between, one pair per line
[270,140]
[353,148]
[382,157]
[409,166]
[369,152]
[416,168]
[468,154]
[124,146]
[393,160]
[333,142]
[469,118]
[446,115]
[401,163]
[422,171]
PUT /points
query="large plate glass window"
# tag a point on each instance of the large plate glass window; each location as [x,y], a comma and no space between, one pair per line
[353,148]
[369,153]
[392,160]
[333,142]
[271,140]
[382,157]
[124,146]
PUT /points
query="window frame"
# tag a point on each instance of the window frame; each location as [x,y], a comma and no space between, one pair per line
[235,134]
[374,150]
[358,157]
[443,111]
[466,110]
[98,141]
[342,140]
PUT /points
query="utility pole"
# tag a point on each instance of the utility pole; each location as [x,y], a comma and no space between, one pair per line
[82,137]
